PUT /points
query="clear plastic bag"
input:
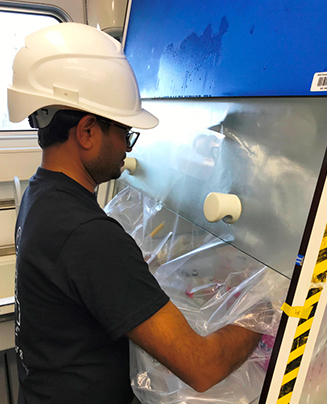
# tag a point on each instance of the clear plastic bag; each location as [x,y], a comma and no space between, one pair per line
[161,235]
[213,284]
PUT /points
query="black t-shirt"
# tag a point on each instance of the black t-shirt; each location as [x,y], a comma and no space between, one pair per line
[81,285]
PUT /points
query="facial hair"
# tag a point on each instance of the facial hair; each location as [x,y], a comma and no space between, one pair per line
[107,165]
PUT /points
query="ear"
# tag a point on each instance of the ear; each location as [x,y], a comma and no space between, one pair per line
[86,133]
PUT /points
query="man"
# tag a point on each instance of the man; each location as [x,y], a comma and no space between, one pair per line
[82,286]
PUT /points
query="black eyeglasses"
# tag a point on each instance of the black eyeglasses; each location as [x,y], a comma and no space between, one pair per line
[131,136]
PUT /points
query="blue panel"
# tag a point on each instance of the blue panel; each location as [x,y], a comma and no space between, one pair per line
[211,48]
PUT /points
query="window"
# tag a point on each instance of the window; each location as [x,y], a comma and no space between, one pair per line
[14,27]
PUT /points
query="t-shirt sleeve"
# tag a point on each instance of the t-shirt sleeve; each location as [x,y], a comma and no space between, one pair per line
[102,267]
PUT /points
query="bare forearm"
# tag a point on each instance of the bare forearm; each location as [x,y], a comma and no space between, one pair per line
[215,356]
[230,347]
[201,362]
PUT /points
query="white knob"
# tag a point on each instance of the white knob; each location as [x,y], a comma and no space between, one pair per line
[226,207]
[17,194]
[129,165]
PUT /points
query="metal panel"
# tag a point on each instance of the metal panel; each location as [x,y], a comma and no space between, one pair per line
[305,306]
[266,151]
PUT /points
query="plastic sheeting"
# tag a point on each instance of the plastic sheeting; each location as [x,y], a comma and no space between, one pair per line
[213,284]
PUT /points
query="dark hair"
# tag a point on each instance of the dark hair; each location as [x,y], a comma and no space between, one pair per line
[58,129]
[63,120]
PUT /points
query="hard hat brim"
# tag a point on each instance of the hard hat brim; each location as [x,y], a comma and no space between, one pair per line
[27,103]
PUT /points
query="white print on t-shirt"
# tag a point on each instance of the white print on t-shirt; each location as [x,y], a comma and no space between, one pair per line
[17,304]
[18,319]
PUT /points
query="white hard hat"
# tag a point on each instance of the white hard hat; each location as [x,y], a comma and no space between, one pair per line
[77,66]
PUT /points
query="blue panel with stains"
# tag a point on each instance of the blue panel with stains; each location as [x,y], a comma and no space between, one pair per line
[211,48]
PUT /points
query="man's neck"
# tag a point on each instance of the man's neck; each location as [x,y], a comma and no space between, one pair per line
[67,164]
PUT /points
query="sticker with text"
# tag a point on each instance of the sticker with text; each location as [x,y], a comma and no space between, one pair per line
[319,82]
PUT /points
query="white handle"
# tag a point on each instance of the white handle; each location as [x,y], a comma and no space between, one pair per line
[130,165]
[17,194]
[226,207]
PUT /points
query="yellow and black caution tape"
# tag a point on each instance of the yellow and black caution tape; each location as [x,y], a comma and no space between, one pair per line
[305,315]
